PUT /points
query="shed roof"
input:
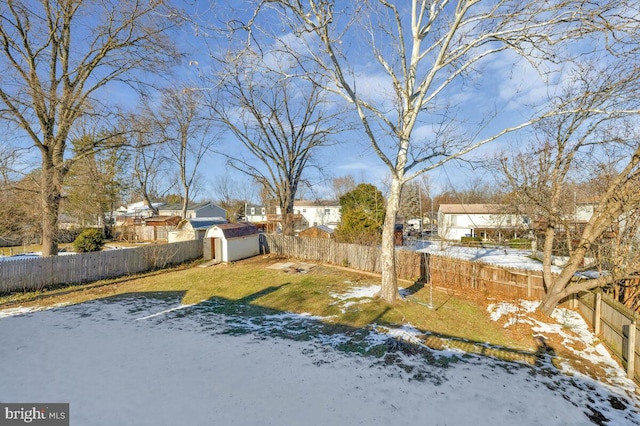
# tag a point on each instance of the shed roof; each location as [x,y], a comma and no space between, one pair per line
[234,230]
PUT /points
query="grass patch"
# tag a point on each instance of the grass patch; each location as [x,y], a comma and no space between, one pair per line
[253,289]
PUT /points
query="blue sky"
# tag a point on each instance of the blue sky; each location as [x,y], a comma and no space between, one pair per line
[504,83]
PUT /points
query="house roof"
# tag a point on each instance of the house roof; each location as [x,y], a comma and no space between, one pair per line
[190,206]
[233,230]
[474,208]
[203,223]
[318,203]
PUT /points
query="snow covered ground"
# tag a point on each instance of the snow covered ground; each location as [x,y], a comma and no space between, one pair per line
[145,359]
[507,257]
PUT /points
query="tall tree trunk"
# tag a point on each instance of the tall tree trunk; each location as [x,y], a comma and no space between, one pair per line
[389,289]
[547,257]
[185,201]
[288,218]
[50,190]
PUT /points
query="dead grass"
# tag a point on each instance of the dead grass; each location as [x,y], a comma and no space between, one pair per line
[455,317]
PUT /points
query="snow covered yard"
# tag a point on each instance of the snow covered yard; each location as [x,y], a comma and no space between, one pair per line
[144,359]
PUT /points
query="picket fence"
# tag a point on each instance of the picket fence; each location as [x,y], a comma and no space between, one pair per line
[614,324]
[39,273]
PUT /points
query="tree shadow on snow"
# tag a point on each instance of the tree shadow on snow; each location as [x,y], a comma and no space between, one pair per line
[413,354]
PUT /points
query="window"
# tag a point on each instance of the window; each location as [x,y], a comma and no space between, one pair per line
[253,210]
[263,210]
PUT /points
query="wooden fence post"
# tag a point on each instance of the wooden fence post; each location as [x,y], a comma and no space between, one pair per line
[597,310]
[631,350]
[529,285]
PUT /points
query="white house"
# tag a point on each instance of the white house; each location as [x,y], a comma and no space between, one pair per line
[194,210]
[229,242]
[487,221]
[315,213]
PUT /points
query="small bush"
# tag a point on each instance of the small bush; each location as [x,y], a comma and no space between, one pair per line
[471,241]
[520,243]
[89,240]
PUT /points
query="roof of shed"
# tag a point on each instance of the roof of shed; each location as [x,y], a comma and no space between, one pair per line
[233,230]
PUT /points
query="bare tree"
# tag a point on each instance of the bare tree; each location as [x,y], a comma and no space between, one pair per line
[342,185]
[594,136]
[423,50]
[187,136]
[19,222]
[281,120]
[148,158]
[56,59]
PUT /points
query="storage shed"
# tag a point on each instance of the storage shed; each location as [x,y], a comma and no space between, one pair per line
[228,242]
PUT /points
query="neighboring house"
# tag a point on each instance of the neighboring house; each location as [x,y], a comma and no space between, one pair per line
[486,221]
[133,212]
[319,231]
[193,229]
[194,210]
[569,228]
[254,213]
[258,215]
[314,213]
[575,220]
[129,222]
[229,242]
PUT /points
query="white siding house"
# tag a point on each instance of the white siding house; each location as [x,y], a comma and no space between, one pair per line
[487,221]
[316,213]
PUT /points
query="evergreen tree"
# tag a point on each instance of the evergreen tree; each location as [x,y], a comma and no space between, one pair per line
[362,212]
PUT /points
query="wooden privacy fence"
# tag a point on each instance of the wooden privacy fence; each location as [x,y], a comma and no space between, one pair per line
[511,283]
[362,258]
[414,266]
[38,273]
[613,323]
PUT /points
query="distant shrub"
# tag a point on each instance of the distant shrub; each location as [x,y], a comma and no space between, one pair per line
[520,243]
[89,240]
[471,241]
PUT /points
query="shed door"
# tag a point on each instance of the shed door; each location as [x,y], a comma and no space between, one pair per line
[213,247]
[216,249]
